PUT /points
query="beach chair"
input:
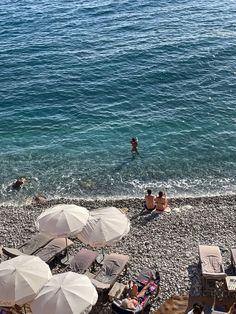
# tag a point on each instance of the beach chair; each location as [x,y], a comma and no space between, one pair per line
[233,257]
[147,278]
[211,264]
[16,309]
[30,247]
[113,265]
[83,260]
[54,249]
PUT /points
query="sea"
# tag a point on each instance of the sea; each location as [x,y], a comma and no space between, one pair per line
[80,78]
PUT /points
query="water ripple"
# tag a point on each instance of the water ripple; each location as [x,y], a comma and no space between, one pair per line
[78,80]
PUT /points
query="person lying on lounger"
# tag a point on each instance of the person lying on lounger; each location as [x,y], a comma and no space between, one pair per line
[132,302]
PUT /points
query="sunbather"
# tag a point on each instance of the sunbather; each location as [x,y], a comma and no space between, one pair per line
[149,201]
[133,302]
[161,201]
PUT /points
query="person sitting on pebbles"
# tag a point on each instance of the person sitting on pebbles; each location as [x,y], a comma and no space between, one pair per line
[149,201]
[161,201]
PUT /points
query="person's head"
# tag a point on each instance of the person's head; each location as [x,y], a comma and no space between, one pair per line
[161,194]
[124,303]
[149,192]
[17,184]
[197,308]
[133,139]
[232,309]
[129,303]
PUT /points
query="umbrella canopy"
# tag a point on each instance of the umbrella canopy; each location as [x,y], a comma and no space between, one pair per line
[68,293]
[21,278]
[104,227]
[62,220]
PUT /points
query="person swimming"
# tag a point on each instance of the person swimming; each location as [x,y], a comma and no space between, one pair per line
[17,185]
[134,145]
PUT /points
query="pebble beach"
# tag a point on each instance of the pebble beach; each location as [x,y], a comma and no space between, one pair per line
[167,243]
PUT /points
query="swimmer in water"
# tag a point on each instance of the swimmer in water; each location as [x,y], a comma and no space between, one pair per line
[18,184]
[134,145]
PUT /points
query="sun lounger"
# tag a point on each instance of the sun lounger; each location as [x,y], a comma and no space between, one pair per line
[30,247]
[16,309]
[233,256]
[211,264]
[113,265]
[83,260]
[53,249]
[148,279]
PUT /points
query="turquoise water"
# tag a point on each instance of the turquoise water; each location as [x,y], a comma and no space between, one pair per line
[78,79]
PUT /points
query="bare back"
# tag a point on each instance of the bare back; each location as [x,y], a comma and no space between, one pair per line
[161,203]
[150,203]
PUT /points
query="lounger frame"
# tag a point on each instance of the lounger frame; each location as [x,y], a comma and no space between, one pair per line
[144,276]
[83,260]
[209,254]
[31,246]
[233,257]
[104,286]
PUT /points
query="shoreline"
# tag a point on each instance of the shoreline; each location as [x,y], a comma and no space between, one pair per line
[168,243]
[102,200]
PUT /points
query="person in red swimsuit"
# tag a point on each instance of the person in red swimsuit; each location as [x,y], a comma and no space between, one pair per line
[134,145]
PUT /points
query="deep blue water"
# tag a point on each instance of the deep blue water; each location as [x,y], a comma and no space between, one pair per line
[78,79]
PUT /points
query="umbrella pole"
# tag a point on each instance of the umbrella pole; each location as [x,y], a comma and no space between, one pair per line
[67,256]
[65,260]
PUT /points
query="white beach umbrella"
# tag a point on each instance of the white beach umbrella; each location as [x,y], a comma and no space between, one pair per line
[69,293]
[21,278]
[104,227]
[62,220]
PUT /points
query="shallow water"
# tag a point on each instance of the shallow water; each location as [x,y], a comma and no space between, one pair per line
[78,80]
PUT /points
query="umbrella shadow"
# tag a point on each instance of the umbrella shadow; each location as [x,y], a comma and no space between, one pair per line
[194,273]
